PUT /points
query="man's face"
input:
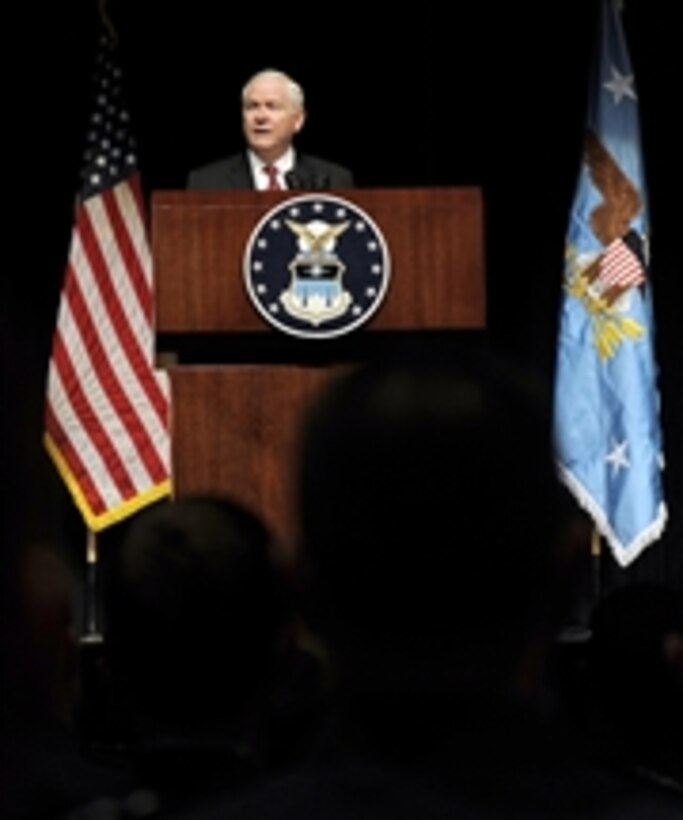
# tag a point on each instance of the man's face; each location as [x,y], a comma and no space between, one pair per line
[269,117]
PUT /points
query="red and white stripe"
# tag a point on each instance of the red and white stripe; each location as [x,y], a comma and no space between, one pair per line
[620,266]
[107,414]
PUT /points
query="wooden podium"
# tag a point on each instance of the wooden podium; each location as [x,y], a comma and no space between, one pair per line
[239,385]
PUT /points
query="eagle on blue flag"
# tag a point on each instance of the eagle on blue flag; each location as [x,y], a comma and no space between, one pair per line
[607,432]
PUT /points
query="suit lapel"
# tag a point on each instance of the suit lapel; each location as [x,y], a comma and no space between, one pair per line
[238,173]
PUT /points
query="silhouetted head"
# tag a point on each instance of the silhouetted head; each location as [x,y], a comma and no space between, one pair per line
[636,658]
[42,674]
[194,610]
[430,511]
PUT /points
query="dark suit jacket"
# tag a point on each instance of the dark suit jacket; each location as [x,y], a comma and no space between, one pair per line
[234,173]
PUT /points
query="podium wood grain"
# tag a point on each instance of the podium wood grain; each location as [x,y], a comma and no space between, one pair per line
[234,432]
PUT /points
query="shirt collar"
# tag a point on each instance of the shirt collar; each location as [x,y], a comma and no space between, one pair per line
[284,165]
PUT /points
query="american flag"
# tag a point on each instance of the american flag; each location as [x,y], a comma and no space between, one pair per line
[620,266]
[107,409]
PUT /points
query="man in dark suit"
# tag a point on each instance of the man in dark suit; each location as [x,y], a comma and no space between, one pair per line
[272,114]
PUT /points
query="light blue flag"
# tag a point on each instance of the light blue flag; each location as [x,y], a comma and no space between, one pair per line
[607,429]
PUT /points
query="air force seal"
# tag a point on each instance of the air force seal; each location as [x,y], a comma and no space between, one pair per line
[316,266]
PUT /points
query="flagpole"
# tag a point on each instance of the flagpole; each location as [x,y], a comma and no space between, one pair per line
[596,555]
[92,633]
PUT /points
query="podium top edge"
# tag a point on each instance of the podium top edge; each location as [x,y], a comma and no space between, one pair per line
[174,197]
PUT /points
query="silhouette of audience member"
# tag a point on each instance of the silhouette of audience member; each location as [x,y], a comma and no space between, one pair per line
[440,568]
[196,621]
[43,772]
[635,674]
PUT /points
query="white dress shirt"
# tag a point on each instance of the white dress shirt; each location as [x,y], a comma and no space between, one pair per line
[283,164]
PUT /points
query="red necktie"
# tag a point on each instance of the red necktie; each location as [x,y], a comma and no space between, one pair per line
[273,180]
